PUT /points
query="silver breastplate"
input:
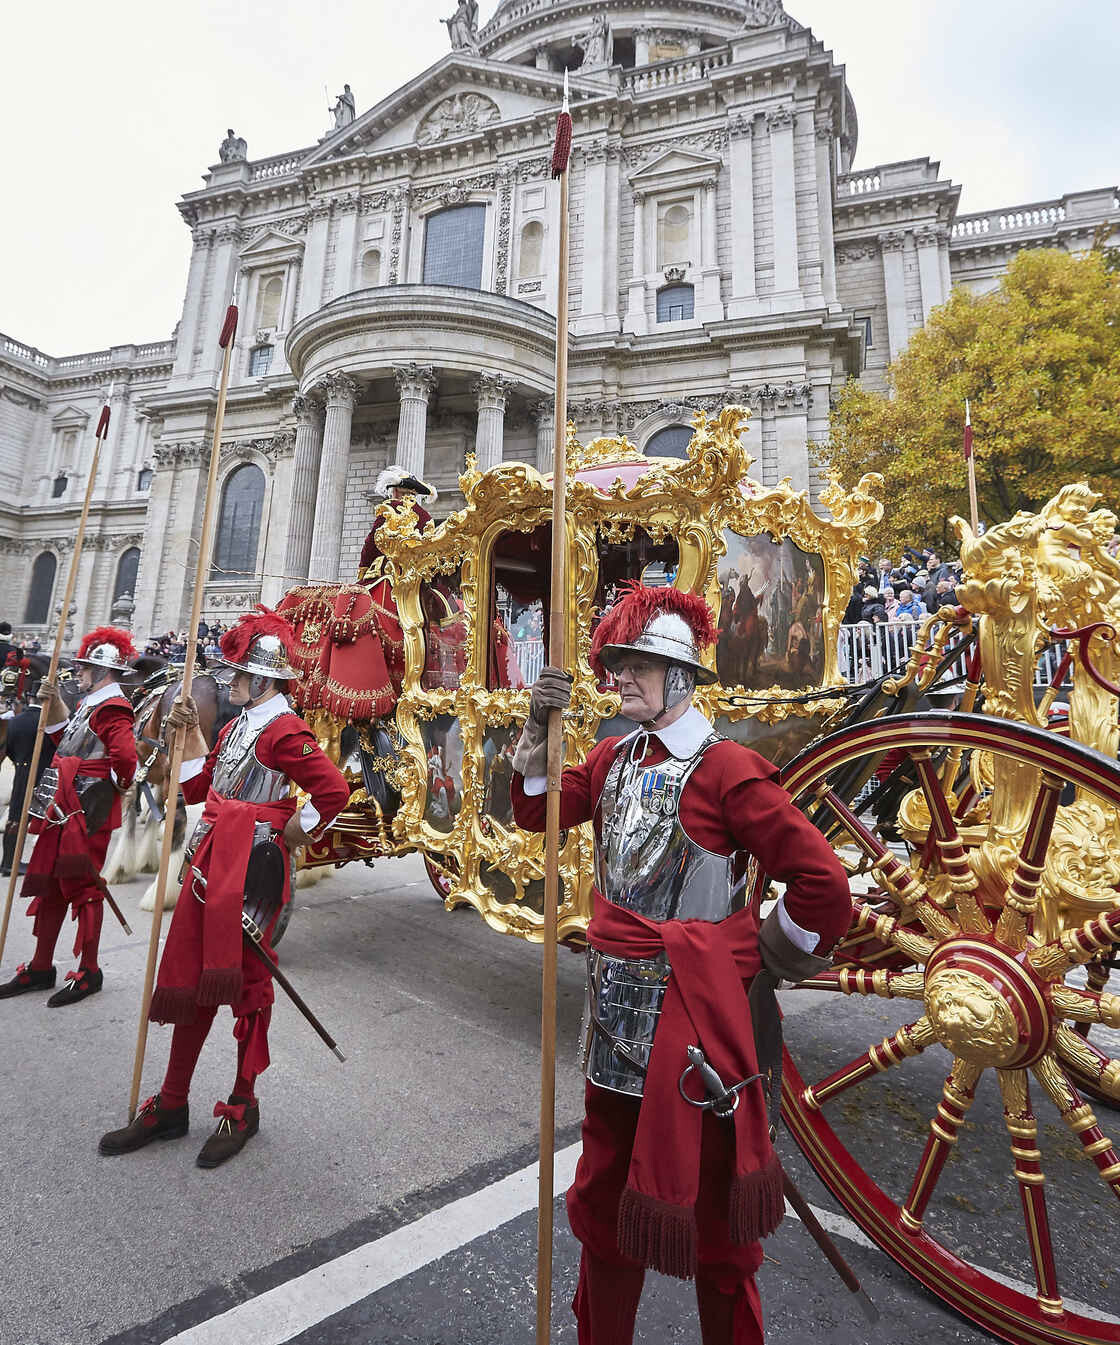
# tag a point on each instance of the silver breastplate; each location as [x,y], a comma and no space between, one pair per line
[238,773]
[646,862]
[79,739]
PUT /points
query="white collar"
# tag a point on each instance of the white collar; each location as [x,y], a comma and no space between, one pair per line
[101,694]
[260,715]
[680,738]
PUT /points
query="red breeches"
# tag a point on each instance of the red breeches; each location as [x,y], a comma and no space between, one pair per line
[610,1286]
[84,896]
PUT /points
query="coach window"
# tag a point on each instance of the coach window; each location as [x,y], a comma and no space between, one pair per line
[38,608]
[453,243]
[239,524]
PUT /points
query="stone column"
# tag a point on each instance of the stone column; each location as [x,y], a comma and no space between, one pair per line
[744,299]
[822,127]
[345,244]
[894,280]
[109,485]
[929,269]
[341,393]
[314,259]
[636,299]
[783,199]
[305,486]
[544,413]
[591,307]
[223,272]
[642,38]
[492,391]
[416,382]
[710,306]
[192,303]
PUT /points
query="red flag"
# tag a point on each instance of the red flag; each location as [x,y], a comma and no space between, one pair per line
[562,145]
[967,431]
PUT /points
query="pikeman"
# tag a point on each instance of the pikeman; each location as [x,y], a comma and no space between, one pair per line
[394,484]
[238,860]
[681,1184]
[74,810]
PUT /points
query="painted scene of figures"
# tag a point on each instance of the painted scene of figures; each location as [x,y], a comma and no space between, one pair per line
[443,746]
[497,772]
[771,620]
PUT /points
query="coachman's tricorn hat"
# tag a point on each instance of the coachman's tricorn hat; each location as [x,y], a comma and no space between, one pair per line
[663,623]
[260,643]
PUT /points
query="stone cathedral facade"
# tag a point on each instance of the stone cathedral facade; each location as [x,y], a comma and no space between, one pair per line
[397,286]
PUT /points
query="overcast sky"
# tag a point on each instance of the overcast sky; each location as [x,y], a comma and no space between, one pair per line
[110,112]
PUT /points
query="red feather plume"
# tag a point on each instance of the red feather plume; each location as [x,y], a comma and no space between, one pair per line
[109,635]
[632,612]
[261,620]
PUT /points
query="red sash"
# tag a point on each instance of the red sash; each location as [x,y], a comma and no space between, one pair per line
[705,1005]
[201,963]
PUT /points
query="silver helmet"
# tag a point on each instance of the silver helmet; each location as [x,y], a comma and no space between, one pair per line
[266,657]
[106,656]
[668,636]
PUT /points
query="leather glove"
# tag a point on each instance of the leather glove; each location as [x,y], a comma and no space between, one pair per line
[54,707]
[183,714]
[781,956]
[295,838]
[551,691]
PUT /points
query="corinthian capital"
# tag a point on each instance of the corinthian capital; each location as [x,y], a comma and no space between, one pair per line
[780,119]
[894,240]
[492,390]
[416,380]
[340,390]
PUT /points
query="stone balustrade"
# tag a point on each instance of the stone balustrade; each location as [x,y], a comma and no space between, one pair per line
[682,70]
[92,360]
[27,354]
[1018,219]
[857,184]
[278,166]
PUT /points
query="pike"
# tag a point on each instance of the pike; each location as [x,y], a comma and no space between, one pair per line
[205,542]
[100,435]
[557,653]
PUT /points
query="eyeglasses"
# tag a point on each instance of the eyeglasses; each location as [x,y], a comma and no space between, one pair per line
[634,666]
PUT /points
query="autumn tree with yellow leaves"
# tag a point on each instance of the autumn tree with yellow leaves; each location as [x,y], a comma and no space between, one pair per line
[1039,361]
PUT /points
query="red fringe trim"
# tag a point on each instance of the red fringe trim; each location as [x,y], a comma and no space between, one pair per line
[660,1235]
[757,1203]
[173,1006]
[219,985]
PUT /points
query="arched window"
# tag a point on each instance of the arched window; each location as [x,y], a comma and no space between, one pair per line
[268,301]
[673,229]
[453,240]
[58,486]
[239,524]
[671,442]
[371,269]
[674,303]
[38,609]
[144,479]
[532,245]
[260,361]
[127,567]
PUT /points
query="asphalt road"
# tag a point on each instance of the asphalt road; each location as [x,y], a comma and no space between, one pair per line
[406,1169]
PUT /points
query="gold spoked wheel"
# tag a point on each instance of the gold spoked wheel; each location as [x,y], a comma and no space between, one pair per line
[952,948]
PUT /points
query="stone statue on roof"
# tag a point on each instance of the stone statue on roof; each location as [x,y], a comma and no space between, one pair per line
[344,110]
[594,43]
[762,13]
[462,27]
[233,148]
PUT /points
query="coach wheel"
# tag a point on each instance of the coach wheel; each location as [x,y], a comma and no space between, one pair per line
[938,961]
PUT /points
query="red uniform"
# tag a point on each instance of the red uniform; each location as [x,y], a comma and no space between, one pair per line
[370,549]
[204,962]
[730,803]
[65,866]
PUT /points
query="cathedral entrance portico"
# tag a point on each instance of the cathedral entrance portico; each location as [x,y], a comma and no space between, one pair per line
[474,354]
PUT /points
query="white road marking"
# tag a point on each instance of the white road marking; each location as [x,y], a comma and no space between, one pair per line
[281,1313]
[297,1305]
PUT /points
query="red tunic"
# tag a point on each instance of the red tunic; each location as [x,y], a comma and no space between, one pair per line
[112,721]
[204,961]
[731,801]
[370,549]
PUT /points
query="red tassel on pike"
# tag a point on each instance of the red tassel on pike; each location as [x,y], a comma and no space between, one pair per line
[228,327]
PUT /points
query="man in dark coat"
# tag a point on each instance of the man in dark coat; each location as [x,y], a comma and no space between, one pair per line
[19,743]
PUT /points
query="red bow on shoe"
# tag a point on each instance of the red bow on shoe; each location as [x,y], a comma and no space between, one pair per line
[232,1111]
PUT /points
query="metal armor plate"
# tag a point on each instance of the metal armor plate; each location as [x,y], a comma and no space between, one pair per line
[79,739]
[238,774]
[95,798]
[645,862]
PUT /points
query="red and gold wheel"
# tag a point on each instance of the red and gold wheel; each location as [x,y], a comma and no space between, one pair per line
[955,958]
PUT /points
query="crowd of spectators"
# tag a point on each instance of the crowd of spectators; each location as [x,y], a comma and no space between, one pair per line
[172,646]
[908,589]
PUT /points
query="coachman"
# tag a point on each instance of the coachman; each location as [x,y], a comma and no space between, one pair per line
[678,1172]
[236,880]
[74,810]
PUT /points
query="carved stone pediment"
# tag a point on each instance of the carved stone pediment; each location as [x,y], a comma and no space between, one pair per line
[458,114]
[271,246]
[675,168]
[70,418]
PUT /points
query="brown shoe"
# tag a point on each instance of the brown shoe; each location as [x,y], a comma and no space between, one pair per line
[153,1122]
[78,985]
[28,979]
[239,1120]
